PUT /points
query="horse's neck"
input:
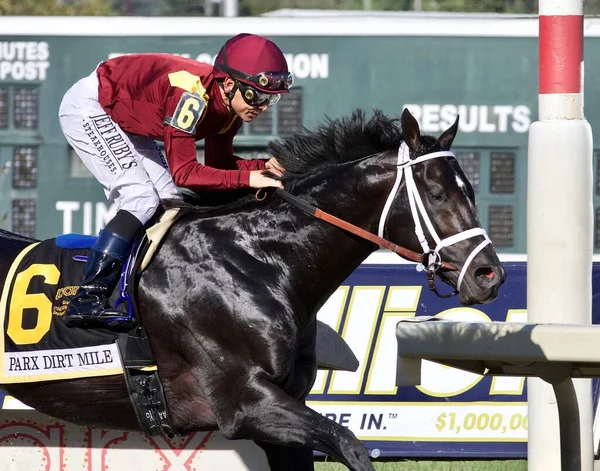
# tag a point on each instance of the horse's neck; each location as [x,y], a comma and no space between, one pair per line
[323,255]
[310,257]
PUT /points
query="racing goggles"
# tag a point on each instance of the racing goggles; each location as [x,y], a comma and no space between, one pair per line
[273,80]
[266,80]
[255,98]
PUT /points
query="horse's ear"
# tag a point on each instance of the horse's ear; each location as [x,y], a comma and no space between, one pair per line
[410,131]
[447,137]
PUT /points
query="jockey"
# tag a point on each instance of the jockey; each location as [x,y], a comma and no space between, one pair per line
[113,117]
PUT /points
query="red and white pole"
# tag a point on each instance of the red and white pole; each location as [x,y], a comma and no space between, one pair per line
[561,60]
[559,219]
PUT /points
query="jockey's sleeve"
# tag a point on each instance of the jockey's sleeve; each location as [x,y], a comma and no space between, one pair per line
[218,152]
[180,149]
[249,164]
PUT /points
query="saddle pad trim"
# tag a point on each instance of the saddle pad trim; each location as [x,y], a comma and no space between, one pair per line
[106,351]
[156,233]
[98,352]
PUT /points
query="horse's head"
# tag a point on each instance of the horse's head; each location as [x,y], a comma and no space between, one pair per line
[435,213]
[352,165]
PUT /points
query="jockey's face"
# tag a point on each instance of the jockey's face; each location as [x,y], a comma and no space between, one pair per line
[239,106]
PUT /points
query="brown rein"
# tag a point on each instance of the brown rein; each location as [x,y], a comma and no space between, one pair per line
[319,214]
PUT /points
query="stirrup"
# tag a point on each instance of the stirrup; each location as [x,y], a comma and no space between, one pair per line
[120,322]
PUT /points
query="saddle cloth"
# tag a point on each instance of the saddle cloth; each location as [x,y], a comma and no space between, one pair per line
[37,345]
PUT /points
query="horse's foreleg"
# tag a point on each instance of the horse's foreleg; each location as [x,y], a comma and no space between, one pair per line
[285,458]
[305,366]
[272,416]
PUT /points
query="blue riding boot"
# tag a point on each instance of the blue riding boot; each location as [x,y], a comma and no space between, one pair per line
[89,307]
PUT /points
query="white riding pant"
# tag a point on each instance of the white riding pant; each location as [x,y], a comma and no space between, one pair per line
[131,168]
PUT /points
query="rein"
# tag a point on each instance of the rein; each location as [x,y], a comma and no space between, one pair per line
[384,243]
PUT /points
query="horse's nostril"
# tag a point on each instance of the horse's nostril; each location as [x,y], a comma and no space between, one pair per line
[485,273]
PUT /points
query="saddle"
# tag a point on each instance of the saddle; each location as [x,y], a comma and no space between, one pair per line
[38,346]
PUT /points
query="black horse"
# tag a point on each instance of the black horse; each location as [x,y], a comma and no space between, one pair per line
[230,300]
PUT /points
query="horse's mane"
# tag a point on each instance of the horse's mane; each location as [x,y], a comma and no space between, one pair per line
[336,141]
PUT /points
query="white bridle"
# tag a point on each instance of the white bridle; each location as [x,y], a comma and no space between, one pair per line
[416,206]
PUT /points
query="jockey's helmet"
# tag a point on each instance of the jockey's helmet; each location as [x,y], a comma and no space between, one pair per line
[255,61]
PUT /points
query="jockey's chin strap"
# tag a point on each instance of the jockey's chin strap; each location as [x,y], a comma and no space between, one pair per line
[431,260]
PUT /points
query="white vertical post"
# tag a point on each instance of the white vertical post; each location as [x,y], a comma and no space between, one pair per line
[230,8]
[559,218]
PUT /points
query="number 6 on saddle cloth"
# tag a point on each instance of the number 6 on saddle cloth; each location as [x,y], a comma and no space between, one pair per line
[39,346]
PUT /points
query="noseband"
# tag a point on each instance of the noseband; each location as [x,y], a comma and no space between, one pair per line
[431,259]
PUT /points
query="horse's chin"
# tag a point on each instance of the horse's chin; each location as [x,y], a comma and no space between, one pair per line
[482,289]
[469,295]
[467,299]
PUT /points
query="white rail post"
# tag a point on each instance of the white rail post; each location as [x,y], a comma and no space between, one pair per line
[559,218]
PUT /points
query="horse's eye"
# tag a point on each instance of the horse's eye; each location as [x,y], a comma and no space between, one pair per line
[437,195]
